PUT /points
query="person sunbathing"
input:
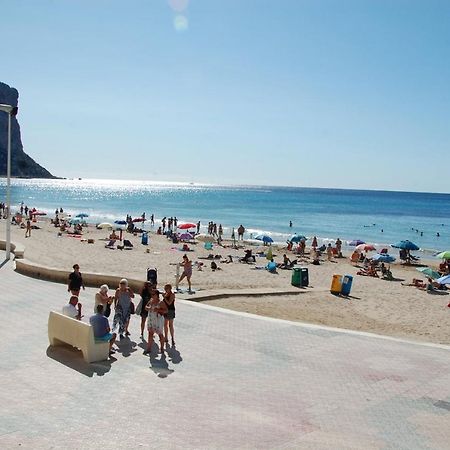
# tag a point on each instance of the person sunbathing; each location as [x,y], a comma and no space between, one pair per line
[287,263]
[369,272]
[416,282]
[248,257]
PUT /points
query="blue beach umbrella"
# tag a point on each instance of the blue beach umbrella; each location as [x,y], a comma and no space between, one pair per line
[297,238]
[356,242]
[263,237]
[120,222]
[82,215]
[383,257]
[444,280]
[405,245]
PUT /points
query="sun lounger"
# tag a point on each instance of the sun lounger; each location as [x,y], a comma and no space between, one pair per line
[111,244]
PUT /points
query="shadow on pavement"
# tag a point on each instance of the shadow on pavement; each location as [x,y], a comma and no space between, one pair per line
[73,359]
[160,365]
[125,346]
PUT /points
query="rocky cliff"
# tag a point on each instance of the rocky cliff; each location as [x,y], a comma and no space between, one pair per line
[21,164]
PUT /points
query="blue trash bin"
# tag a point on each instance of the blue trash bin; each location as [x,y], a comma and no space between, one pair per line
[144,239]
[347,281]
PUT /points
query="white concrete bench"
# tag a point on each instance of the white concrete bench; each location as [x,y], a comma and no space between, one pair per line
[65,330]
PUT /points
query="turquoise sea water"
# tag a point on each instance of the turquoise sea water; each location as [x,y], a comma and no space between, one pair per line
[326,213]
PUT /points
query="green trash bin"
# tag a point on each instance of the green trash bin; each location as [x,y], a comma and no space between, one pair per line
[296,279]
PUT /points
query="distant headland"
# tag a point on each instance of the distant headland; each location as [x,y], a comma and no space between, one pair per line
[22,165]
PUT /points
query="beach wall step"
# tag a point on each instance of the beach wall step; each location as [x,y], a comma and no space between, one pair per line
[55,275]
[16,248]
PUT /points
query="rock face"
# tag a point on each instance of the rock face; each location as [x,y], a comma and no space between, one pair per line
[22,165]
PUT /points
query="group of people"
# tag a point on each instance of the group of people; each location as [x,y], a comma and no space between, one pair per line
[156,309]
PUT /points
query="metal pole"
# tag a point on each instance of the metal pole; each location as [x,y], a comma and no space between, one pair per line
[8,193]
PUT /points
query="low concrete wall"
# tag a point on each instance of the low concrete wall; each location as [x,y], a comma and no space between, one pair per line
[34,270]
[16,248]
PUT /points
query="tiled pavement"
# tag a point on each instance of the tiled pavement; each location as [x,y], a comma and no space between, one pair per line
[233,381]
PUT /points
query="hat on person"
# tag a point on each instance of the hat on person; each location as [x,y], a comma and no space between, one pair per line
[104,288]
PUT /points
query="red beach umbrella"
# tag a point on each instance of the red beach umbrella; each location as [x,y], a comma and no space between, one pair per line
[365,248]
[186,226]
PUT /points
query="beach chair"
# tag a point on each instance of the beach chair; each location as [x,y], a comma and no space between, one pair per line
[111,244]
[127,245]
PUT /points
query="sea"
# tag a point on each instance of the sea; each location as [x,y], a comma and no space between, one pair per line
[377,217]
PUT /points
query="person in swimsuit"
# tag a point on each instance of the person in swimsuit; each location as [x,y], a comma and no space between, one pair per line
[169,300]
[155,322]
[75,281]
[122,306]
[187,271]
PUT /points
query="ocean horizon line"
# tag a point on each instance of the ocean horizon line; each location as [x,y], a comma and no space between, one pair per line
[222,185]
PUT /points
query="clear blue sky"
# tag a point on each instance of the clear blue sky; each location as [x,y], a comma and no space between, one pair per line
[336,93]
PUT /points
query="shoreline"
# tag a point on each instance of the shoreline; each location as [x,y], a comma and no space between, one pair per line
[374,305]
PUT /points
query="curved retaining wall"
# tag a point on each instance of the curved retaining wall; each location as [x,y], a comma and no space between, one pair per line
[34,270]
[16,248]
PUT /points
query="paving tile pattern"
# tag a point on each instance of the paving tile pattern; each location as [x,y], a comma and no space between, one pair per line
[234,381]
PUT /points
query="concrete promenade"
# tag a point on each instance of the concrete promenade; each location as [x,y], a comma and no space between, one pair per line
[234,381]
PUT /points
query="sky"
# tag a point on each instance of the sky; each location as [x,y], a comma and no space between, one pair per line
[317,93]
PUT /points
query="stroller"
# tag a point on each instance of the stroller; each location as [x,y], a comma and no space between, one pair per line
[152,276]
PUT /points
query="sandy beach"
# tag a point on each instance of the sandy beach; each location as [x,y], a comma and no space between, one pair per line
[375,305]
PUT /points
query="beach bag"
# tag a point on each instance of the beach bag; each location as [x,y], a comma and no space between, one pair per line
[108,310]
[132,308]
[139,308]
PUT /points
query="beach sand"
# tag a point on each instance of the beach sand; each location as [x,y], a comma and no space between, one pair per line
[374,305]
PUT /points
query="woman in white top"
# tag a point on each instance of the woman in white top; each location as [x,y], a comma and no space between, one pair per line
[102,298]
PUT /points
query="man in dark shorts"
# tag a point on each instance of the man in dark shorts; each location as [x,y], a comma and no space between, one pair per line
[102,331]
[75,281]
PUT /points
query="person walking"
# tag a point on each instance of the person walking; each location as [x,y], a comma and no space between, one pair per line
[122,306]
[169,300]
[187,271]
[155,322]
[28,229]
[75,281]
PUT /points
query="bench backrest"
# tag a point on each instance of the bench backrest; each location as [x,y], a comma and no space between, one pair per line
[69,330]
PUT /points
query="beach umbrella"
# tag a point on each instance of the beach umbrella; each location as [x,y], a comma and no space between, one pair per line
[39,213]
[383,257]
[263,237]
[444,280]
[120,222]
[405,245]
[365,248]
[356,242]
[444,255]
[429,272]
[186,226]
[138,219]
[102,225]
[82,215]
[297,238]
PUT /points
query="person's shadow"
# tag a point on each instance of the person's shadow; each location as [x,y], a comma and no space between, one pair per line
[160,366]
[174,354]
[125,346]
[73,358]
